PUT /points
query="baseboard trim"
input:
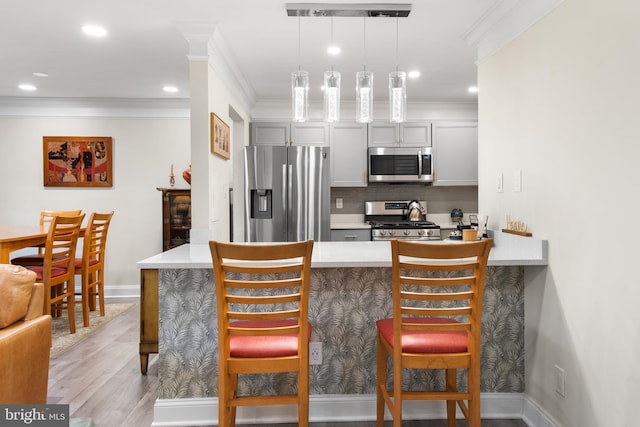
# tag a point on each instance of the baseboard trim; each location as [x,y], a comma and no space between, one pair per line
[535,416]
[122,291]
[323,408]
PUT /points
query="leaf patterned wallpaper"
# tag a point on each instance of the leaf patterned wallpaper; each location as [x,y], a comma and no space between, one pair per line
[344,306]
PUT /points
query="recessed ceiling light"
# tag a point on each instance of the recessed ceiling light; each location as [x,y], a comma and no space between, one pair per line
[94,30]
[171,89]
[414,74]
[333,50]
[41,74]
[26,86]
[473,89]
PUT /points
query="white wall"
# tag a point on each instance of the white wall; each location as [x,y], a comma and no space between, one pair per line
[143,150]
[561,104]
[224,173]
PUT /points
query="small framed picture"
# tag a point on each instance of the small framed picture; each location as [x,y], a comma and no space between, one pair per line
[220,137]
[77,161]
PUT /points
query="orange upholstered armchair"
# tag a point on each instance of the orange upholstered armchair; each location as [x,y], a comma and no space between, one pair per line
[25,338]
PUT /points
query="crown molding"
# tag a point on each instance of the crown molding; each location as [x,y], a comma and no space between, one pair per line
[206,43]
[222,61]
[503,22]
[94,107]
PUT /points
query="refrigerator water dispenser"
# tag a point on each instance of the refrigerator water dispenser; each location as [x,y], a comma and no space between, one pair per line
[261,204]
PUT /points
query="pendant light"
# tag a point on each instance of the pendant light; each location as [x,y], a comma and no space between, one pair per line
[299,90]
[364,87]
[332,91]
[397,90]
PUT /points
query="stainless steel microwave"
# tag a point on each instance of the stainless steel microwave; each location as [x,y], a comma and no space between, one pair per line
[406,164]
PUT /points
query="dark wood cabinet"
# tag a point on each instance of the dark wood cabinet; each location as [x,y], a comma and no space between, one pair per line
[176,217]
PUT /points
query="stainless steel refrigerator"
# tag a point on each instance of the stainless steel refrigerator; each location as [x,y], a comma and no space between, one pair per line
[286,193]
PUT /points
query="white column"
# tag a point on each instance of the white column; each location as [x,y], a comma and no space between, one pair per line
[198,35]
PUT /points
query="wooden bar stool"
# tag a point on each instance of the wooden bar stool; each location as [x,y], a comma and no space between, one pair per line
[262,294]
[437,312]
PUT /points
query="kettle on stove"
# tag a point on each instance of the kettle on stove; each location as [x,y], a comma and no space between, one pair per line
[415,211]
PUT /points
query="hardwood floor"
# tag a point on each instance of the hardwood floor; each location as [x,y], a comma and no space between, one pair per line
[100,378]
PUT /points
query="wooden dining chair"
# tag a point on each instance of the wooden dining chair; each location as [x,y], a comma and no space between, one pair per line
[45,220]
[437,313]
[262,294]
[91,266]
[58,270]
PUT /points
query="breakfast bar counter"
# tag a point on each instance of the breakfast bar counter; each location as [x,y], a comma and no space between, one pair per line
[508,249]
[350,290]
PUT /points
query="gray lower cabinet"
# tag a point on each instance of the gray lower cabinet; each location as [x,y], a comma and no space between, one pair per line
[455,151]
[350,235]
[348,142]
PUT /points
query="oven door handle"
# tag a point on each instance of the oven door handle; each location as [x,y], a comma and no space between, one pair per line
[419,164]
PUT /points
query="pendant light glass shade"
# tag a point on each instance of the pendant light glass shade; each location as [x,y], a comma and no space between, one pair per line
[332,96]
[364,96]
[300,96]
[397,96]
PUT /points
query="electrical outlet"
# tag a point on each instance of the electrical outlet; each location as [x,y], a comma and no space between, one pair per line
[315,353]
[338,203]
[559,373]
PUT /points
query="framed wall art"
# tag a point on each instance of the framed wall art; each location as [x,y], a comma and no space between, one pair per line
[220,137]
[77,161]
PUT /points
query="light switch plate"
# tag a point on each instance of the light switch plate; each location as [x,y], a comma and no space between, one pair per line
[338,203]
[499,183]
[517,180]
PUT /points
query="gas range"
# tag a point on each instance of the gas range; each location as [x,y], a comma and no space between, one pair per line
[388,220]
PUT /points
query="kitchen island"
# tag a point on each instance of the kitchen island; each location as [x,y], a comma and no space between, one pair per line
[349,292]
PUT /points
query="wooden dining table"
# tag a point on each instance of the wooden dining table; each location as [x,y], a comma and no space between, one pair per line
[13,238]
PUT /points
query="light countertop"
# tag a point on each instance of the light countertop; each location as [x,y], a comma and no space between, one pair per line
[508,249]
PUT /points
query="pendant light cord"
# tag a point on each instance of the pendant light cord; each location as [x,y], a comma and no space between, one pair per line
[364,42]
[299,48]
[331,40]
[397,56]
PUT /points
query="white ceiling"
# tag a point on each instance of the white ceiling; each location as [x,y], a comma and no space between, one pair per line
[145,50]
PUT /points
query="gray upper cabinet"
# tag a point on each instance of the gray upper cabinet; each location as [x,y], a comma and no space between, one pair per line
[270,133]
[284,133]
[408,134]
[348,142]
[455,151]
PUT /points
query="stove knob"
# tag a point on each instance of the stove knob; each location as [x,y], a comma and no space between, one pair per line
[383,233]
[406,232]
[392,232]
[421,232]
[429,232]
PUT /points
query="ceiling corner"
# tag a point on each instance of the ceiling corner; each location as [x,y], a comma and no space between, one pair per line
[505,21]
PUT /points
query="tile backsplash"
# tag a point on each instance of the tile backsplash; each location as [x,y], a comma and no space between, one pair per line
[439,199]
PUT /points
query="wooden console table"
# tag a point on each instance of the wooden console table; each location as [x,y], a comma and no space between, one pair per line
[148,316]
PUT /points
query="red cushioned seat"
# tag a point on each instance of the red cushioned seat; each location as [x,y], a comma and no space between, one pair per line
[55,271]
[78,263]
[264,346]
[426,342]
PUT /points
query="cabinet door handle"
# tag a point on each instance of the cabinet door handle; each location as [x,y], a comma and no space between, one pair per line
[350,237]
